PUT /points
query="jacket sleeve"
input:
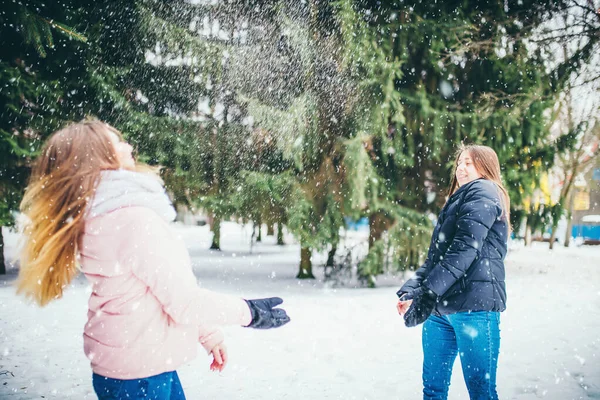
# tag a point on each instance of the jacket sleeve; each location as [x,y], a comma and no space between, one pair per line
[476,215]
[416,280]
[159,261]
[209,337]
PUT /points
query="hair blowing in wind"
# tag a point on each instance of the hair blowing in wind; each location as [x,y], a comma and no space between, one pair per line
[62,182]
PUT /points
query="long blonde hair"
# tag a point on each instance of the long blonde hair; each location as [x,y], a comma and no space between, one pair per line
[486,162]
[63,180]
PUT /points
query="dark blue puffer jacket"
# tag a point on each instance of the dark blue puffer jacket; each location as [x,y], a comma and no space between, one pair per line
[465,262]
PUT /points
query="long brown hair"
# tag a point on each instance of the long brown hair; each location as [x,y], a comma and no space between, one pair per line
[63,180]
[486,162]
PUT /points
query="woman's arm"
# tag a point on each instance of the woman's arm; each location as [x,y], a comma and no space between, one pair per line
[165,269]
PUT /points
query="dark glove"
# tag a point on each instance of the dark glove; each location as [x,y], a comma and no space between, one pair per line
[401,293]
[264,316]
[423,302]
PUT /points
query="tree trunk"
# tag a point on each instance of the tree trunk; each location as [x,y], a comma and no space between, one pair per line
[2,265]
[527,235]
[569,218]
[331,256]
[413,260]
[259,237]
[377,225]
[216,229]
[280,241]
[270,229]
[305,264]
[553,237]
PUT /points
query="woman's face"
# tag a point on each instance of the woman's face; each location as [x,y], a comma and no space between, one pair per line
[123,151]
[465,170]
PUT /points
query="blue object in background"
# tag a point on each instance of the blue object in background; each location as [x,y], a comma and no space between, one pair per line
[588,232]
[362,223]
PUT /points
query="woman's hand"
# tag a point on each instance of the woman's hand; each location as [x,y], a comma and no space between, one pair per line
[220,357]
[403,306]
[422,306]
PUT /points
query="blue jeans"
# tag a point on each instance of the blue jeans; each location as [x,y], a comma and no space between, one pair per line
[476,337]
[165,386]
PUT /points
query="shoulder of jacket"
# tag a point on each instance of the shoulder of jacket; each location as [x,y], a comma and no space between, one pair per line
[482,186]
[134,212]
[475,189]
[129,219]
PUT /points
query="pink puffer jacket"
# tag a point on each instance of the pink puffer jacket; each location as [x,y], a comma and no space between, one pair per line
[146,312]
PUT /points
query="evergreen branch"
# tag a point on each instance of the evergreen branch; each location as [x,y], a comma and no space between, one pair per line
[70,32]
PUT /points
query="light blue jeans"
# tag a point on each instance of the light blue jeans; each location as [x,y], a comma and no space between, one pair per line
[476,337]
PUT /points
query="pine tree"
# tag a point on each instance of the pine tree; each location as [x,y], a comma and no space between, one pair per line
[301,108]
[180,112]
[61,64]
[398,231]
[36,95]
[467,74]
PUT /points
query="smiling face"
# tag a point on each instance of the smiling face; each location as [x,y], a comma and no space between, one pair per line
[122,150]
[465,169]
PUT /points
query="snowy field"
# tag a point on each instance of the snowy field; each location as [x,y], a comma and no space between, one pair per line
[341,344]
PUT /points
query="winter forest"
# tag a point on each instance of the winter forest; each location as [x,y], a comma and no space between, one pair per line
[308,147]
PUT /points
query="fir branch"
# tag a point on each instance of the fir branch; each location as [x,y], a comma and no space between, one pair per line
[66,30]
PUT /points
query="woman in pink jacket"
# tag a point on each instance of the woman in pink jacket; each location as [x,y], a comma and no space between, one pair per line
[88,209]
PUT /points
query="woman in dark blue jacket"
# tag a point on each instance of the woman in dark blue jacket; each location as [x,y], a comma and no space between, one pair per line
[459,291]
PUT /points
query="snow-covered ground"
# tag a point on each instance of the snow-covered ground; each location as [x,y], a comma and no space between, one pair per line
[341,344]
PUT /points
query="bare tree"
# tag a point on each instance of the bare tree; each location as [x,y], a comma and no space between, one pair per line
[571,39]
[579,117]
[573,164]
